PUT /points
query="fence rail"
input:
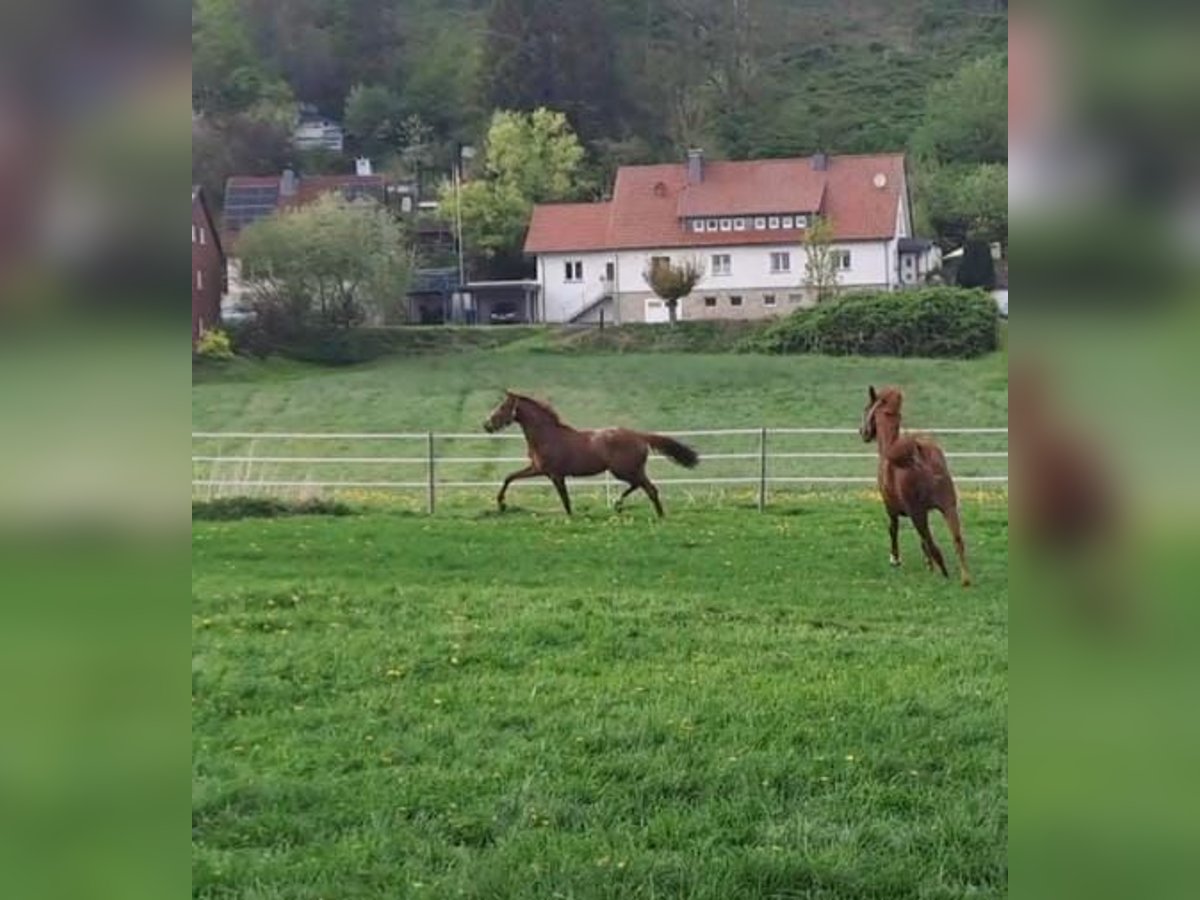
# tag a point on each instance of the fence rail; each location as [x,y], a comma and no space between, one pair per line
[303,463]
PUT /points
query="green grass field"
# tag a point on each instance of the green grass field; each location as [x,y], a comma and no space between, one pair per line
[660,391]
[724,704]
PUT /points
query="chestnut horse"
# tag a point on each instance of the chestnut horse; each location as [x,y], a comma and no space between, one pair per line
[913,479]
[557,450]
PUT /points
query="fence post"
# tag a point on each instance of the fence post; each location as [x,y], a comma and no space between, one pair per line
[431,500]
[762,469]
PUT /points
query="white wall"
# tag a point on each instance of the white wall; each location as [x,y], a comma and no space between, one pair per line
[750,267]
[561,299]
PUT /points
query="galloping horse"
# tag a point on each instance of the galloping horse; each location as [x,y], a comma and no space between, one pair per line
[557,450]
[913,479]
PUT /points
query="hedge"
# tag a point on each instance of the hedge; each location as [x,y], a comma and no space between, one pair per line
[931,322]
[330,346]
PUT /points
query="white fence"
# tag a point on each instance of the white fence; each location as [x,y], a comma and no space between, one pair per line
[761,460]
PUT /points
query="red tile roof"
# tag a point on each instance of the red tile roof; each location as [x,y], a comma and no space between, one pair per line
[761,187]
[649,201]
[250,197]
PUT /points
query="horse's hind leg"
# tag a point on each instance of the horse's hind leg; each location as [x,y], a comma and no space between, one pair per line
[652,492]
[955,525]
[894,534]
[560,483]
[932,552]
[633,486]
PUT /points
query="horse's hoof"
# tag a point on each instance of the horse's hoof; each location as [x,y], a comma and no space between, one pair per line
[966,582]
[895,561]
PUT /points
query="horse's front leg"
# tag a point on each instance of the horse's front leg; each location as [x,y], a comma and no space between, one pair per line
[561,484]
[527,472]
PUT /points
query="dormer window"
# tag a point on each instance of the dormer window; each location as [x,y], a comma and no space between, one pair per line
[697,224]
[773,222]
[711,224]
[726,224]
[760,223]
[739,224]
[801,220]
[787,221]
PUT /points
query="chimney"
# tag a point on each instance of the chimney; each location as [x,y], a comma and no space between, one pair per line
[362,166]
[287,183]
[695,166]
[820,162]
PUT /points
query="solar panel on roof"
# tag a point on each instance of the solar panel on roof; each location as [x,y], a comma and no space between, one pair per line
[245,204]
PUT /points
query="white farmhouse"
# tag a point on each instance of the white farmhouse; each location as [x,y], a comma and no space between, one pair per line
[744,222]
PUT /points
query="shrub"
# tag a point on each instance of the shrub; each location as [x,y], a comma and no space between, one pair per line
[227,508]
[213,344]
[932,321]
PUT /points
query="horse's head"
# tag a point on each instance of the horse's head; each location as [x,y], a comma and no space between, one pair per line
[503,415]
[886,405]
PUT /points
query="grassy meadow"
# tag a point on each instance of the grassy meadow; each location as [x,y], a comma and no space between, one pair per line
[653,391]
[723,704]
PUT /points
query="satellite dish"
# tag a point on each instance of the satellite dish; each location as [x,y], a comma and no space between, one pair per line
[880,180]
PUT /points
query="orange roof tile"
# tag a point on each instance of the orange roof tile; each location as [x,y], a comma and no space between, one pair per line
[650,202]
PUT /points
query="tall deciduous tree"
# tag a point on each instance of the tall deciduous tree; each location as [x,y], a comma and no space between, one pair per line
[373,117]
[671,282]
[528,158]
[962,202]
[560,55]
[822,263]
[332,263]
[966,117]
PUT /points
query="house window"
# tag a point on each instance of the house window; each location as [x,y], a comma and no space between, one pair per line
[781,262]
[768,299]
[735,301]
[787,221]
[795,298]
[710,302]
[722,264]
[712,224]
[844,260]
[801,220]
[199,280]
[760,222]
[697,224]
[201,235]
[610,271]
[726,225]
[573,270]
[193,234]
[773,222]
[739,224]
[659,261]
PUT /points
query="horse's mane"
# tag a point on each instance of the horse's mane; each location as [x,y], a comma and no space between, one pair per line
[543,406]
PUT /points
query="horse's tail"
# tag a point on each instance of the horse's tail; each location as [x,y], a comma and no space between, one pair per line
[672,449]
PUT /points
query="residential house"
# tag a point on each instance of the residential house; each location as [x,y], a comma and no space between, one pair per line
[249,198]
[208,267]
[317,132]
[744,222]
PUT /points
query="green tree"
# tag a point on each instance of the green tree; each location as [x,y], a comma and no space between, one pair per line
[671,283]
[331,263]
[966,117]
[822,263]
[560,55]
[373,117]
[964,201]
[528,158]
